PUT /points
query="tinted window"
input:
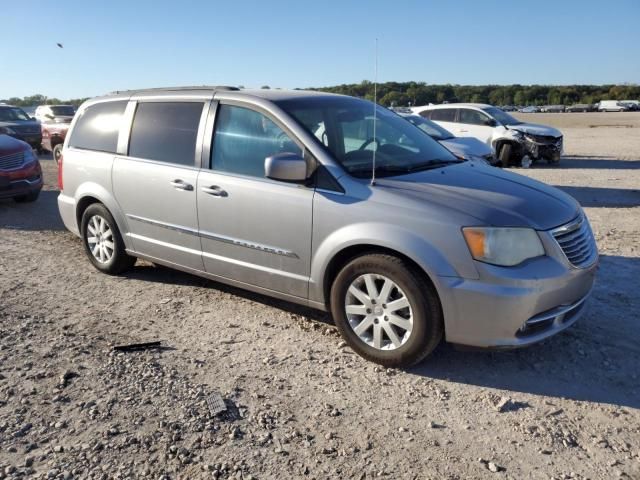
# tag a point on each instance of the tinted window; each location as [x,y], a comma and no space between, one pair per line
[426,113]
[9,114]
[166,131]
[97,127]
[444,115]
[472,117]
[63,110]
[244,138]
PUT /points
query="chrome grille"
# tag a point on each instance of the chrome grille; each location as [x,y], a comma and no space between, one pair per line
[12,161]
[577,242]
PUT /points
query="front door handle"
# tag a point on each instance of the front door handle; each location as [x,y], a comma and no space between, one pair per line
[463,131]
[179,184]
[214,190]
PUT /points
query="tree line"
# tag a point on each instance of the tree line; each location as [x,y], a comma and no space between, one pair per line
[420,93]
[33,100]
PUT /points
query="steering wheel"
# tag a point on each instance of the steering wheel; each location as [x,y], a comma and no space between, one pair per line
[368,142]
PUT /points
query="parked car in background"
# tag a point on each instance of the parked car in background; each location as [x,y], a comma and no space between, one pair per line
[16,123]
[508,108]
[55,113]
[55,121]
[633,105]
[466,148]
[20,172]
[612,106]
[510,138]
[237,186]
[530,109]
[581,107]
[552,108]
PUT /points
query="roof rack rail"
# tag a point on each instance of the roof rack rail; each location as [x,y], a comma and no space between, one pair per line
[177,89]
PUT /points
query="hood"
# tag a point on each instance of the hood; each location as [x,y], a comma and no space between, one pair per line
[467,146]
[10,145]
[535,129]
[491,195]
[23,126]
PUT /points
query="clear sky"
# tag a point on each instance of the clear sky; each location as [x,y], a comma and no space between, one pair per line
[113,44]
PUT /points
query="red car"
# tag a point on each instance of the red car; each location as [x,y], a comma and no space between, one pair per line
[20,172]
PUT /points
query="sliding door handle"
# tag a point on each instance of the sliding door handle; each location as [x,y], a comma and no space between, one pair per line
[179,184]
[214,190]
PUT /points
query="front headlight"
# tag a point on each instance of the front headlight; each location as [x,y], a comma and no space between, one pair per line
[503,246]
[29,156]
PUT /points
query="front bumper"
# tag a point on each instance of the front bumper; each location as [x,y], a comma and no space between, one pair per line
[516,306]
[23,186]
[538,147]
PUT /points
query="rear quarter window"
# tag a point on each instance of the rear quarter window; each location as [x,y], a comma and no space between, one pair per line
[97,127]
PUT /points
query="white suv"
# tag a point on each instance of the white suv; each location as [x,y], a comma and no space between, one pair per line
[511,139]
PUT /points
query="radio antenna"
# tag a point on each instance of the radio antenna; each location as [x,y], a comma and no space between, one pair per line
[375,117]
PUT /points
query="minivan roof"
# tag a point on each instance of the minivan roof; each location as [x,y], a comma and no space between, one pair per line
[268,94]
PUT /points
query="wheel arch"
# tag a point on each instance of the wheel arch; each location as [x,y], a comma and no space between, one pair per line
[89,194]
[331,256]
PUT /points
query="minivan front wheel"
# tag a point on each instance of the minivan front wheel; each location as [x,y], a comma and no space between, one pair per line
[386,310]
[102,241]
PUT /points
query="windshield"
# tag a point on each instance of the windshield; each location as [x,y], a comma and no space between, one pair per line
[11,114]
[501,116]
[344,126]
[63,110]
[432,129]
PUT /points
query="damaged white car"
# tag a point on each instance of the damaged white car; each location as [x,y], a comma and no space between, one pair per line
[515,143]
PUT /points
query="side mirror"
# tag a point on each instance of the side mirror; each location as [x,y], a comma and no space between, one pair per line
[287,167]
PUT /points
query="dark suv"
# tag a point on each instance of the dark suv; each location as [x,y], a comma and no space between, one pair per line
[16,123]
[20,172]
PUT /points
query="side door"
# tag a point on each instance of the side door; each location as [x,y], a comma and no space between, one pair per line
[445,117]
[155,183]
[253,229]
[473,123]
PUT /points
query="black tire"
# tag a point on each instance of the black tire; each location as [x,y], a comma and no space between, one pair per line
[56,152]
[505,154]
[427,329]
[119,261]
[27,198]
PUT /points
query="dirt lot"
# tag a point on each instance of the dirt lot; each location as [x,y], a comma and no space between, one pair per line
[300,403]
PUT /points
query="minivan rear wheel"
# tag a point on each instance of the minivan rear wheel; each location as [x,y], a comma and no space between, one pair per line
[102,241]
[386,310]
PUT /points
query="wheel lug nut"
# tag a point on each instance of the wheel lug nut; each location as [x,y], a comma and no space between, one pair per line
[368,310]
[373,301]
[386,318]
[384,305]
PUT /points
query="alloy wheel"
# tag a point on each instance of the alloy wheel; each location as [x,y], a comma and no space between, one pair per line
[100,239]
[379,312]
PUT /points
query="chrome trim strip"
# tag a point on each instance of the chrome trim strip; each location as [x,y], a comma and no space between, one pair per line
[575,224]
[243,243]
[169,226]
[219,238]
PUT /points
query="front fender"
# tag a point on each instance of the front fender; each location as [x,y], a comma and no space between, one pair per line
[395,238]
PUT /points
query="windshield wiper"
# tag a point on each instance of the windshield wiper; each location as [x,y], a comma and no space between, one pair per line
[433,164]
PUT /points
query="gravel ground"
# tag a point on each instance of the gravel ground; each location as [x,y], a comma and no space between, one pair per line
[300,404]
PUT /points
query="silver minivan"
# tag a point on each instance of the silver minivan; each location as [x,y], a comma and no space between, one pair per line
[301,196]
